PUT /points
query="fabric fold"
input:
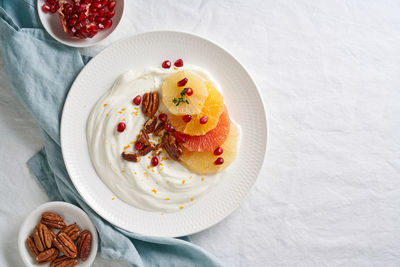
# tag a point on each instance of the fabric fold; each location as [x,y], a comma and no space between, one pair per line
[41,71]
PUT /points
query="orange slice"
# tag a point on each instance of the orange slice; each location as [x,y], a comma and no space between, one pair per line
[203,162]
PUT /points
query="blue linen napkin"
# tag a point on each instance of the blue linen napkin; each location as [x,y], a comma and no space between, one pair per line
[41,71]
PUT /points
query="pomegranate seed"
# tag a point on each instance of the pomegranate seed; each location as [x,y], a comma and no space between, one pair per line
[203,120]
[218,151]
[50,2]
[178,63]
[219,161]
[97,5]
[107,23]
[137,100]
[67,9]
[72,22]
[104,3]
[78,26]
[111,5]
[121,127]
[163,117]
[46,8]
[186,118]
[99,19]
[138,146]
[72,30]
[93,29]
[166,64]
[82,8]
[110,14]
[189,91]
[81,17]
[169,128]
[91,18]
[154,161]
[100,26]
[53,9]
[100,12]
[182,82]
[180,138]
[92,10]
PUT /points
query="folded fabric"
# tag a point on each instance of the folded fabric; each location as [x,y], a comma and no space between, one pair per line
[41,71]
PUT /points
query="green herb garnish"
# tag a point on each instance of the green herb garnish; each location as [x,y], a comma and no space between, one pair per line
[179,100]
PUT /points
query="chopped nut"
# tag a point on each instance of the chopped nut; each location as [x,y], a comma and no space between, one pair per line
[130,156]
[146,149]
[158,149]
[150,103]
[150,125]
[170,145]
[143,137]
[159,131]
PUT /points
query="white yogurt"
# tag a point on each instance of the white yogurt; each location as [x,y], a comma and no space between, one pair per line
[165,188]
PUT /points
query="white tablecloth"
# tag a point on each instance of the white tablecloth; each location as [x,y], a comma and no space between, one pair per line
[329,73]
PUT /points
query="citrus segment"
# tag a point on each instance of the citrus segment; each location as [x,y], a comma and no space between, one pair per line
[203,162]
[170,91]
[212,139]
[212,108]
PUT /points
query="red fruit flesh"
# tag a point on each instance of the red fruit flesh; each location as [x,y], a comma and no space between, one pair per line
[85,18]
[189,91]
[166,64]
[182,82]
[46,8]
[178,63]
[121,127]
[203,120]
[137,100]
[154,161]
[138,146]
[186,118]
[163,117]
[218,151]
[219,161]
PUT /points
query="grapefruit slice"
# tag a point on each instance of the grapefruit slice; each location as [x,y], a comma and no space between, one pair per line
[212,108]
[170,91]
[212,139]
[203,162]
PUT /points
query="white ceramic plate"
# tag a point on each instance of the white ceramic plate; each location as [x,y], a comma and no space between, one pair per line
[241,97]
[51,23]
[71,214]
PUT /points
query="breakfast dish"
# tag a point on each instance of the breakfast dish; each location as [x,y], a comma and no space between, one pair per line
[160,137]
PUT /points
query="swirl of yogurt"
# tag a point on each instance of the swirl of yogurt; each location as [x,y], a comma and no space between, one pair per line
[167,187]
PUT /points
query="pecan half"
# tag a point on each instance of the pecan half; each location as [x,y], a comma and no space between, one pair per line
[158,149]
[170,145]
[150,103]
[64,261]
[65,245]
[47,256]
[143,137]
[130,156]
[42,237]
[84,245]
[31,246]
[160,129]
[146,149]
[150,125]
[52,220]
[72,231]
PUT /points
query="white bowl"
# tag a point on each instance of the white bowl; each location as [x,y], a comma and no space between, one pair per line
[71,214]
[51,23]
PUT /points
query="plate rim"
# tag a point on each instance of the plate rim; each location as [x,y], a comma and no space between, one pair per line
[116,43]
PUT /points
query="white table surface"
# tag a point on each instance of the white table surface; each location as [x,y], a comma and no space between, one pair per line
[329,73]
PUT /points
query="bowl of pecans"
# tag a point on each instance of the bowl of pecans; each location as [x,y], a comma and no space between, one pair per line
[58,234]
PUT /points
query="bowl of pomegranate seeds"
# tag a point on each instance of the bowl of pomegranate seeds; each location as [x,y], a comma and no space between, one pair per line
[80,23]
